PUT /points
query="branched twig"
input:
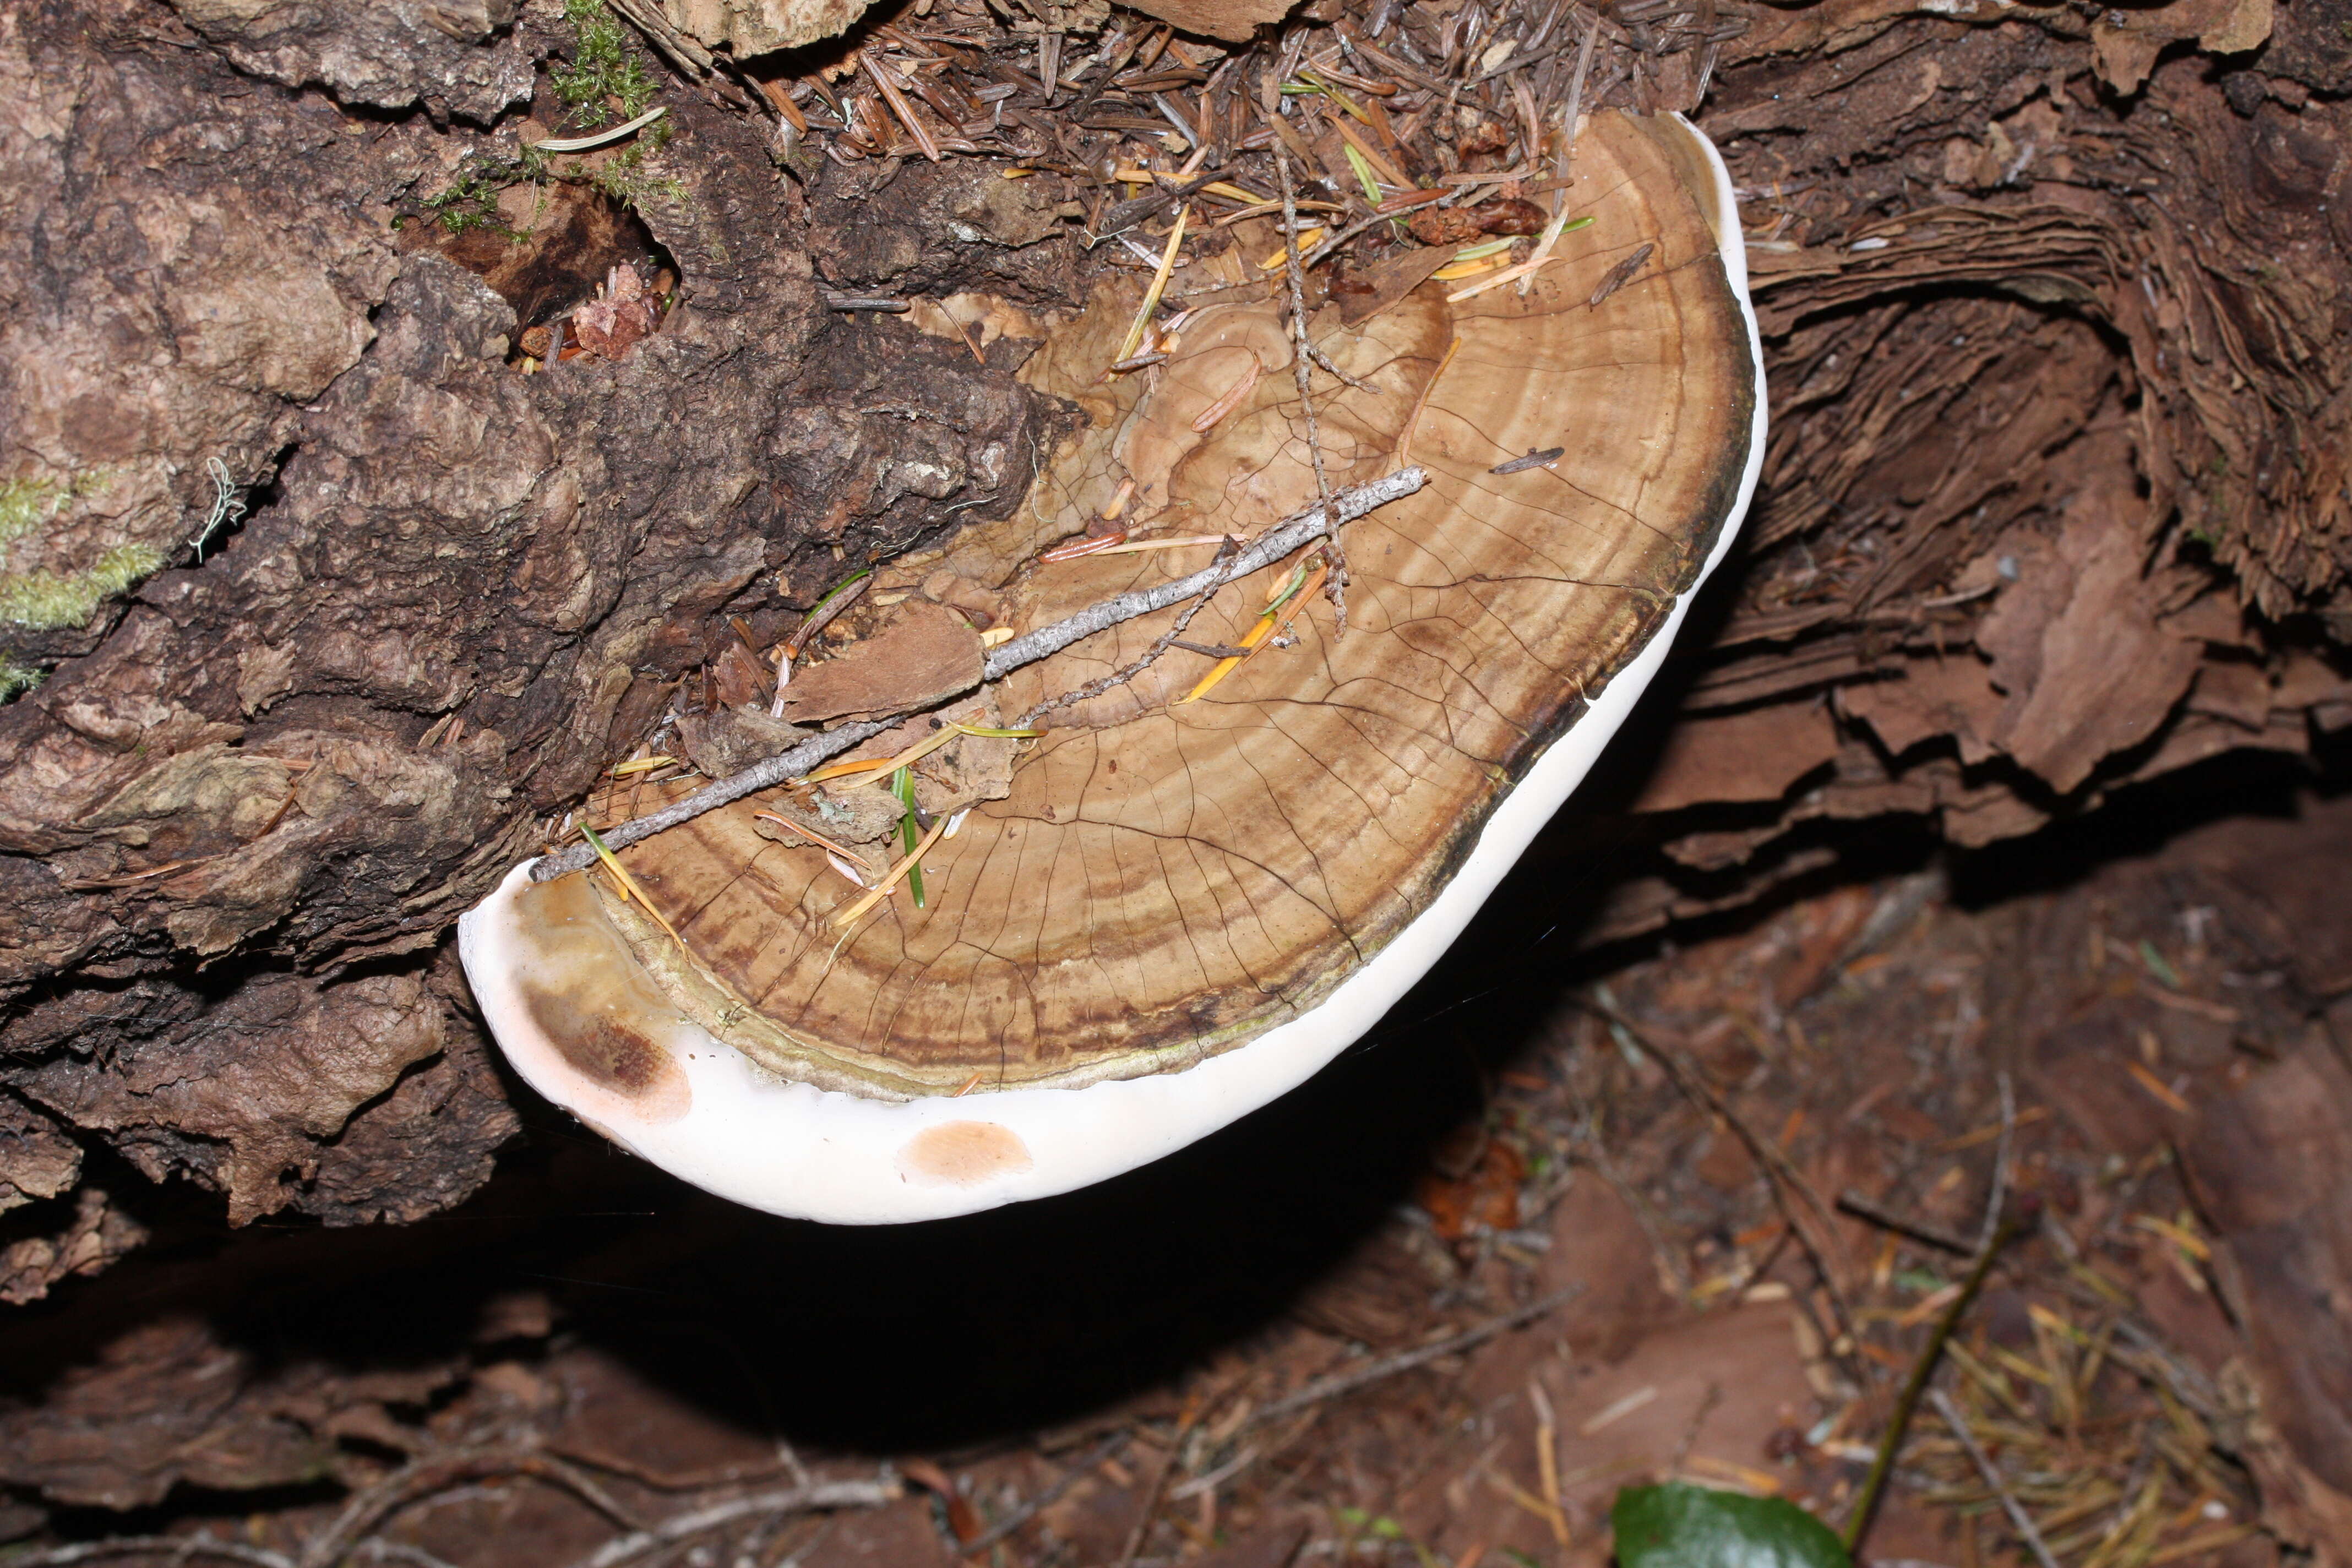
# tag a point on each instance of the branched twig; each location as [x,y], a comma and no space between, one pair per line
[1152,1494]
[2026,1530]
[1340,1382]
[1300,529]
[1003,1528]
[1785,1178]
[1150,655]
[372,1504]
[809,1498]
[1882,1463]
[1302,371]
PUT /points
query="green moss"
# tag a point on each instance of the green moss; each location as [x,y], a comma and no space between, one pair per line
[42,601]
[472,201]
[16,679]
[604,71]
[26,505]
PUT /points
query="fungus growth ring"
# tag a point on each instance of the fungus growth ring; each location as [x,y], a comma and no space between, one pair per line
[1165,913]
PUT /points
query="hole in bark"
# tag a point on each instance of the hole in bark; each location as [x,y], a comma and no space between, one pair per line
[546,249]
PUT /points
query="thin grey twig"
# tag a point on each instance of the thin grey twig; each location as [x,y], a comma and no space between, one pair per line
[376,1549]
[788,1499]
[183,1547]
[2000,1163]
[2008,1503]
[1299,528]
[1302,374]
[1340,1382]
[371,1505]
[1053,1493]
[1150,656]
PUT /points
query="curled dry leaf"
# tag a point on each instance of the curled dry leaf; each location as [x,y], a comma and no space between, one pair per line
[1167,908]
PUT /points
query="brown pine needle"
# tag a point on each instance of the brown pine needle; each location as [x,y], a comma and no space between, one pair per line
[1137,546]
[881,889]
[819,839]
[629,888]
[899,106]
[1412,421]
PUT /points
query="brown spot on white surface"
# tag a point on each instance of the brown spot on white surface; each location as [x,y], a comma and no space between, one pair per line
[592,1002]
[963,1154]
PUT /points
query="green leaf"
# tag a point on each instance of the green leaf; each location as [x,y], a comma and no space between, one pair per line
[1679,1526]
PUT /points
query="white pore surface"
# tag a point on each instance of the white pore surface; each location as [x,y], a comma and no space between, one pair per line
[818,1155]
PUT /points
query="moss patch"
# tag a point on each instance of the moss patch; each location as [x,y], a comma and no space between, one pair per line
[44,601]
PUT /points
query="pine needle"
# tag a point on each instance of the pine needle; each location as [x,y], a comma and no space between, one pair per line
[629,888]
[1159,287]
[881,889]
[1258,633]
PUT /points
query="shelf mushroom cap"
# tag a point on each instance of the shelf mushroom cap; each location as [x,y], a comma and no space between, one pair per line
[1184,909]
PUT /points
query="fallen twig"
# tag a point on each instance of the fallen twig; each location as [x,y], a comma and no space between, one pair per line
[813,1497]
[1299,528]
[1155,1492]
[1046,1498]
[1785,1178]
[183,1548]
[1860,1207]
[2026,1530]
[1340,1382]
[1301,367]
[372,1504]
[1882,1463]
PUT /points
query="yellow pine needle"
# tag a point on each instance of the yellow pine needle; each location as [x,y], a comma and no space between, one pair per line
[916,752]
[881,889]
[641,766]
[1472,268]
[1256,640]
[629,888]
[1309,239]
[1507,275]
[1159,287]
[1162,177]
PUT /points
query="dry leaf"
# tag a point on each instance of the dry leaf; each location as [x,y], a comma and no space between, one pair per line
[608,327]
[1230,19]
[926,654]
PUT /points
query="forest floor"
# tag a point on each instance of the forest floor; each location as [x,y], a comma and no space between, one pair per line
[1697,1211]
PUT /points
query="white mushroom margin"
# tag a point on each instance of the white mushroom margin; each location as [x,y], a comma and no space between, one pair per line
[811,1153]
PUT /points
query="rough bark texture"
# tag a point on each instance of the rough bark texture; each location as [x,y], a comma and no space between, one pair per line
[228,863]
[2057,498]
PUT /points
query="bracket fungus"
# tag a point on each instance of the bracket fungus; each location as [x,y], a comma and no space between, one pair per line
[1197,886]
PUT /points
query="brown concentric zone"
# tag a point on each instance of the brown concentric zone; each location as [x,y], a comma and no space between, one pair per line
[1167,881]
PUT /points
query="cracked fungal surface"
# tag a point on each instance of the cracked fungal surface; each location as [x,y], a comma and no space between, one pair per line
[1169,880]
